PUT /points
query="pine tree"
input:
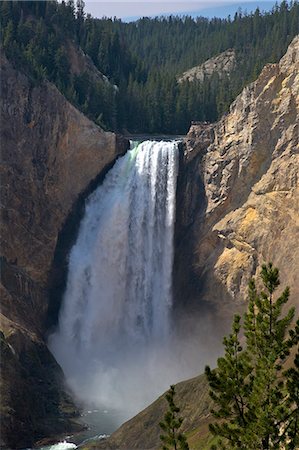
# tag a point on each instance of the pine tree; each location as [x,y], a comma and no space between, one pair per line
[258,406]
[292,423]
[229,391]
[80,14]
[172,438]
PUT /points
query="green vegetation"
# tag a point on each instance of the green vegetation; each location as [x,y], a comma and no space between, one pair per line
[257,402]
[143,59]
[38,36]
[172,437]
[166,47]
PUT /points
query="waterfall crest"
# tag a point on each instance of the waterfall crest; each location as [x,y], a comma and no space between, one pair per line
[115,315]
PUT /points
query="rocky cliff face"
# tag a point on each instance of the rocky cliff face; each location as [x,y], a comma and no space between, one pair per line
[221,64]
[238,198]
[50,155]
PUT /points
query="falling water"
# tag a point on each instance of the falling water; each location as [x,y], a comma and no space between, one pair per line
[114,325]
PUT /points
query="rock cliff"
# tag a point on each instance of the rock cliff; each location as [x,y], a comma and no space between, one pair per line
[238,198]
[50,155]
[220,64]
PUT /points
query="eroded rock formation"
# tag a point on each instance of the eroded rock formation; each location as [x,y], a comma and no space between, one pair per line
[50,155]
[238,198]
[220,64]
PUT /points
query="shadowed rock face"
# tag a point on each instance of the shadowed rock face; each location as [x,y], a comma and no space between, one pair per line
[50,155]
[238,197]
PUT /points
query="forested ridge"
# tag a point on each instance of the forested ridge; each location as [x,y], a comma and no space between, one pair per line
[143,59]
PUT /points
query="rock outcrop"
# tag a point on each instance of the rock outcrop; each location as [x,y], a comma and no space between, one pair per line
[50,155]
[81,63]
[238,197]
[220,64]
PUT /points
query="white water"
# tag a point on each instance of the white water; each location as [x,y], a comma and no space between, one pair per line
[60,446]
[114,335]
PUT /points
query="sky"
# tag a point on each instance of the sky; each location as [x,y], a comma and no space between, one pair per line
[132,10]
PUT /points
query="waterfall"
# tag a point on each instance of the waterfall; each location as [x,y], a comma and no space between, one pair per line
[114,324]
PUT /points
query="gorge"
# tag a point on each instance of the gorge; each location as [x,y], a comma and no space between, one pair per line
[236,206]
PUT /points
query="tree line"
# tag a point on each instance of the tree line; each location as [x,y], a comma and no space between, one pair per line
[143,60]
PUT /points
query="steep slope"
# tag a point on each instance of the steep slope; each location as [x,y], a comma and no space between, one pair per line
[143,431]
[237,207]
[220,64]
[50,154]
[81,63]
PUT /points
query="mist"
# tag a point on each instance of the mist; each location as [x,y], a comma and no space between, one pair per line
[128,378]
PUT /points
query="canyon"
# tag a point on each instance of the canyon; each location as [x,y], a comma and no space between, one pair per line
[237,207]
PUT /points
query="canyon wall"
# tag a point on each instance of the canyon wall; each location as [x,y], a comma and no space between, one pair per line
[51,153]
[238,198]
